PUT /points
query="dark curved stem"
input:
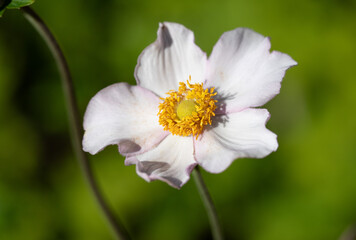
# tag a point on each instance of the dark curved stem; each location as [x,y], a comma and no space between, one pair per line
[209,205]
[74,120]
[349,233]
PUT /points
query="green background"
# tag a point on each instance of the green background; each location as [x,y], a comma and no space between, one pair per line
[304,191]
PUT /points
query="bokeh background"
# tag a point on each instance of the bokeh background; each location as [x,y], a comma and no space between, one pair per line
[306,190]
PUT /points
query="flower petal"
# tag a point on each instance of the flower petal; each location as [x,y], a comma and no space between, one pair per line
[124,115]
[244,72]
[171,161]
[242,134]
[170,60]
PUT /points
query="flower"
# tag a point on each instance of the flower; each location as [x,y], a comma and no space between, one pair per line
[188,109]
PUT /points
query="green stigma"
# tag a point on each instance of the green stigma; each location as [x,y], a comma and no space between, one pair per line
[185,108]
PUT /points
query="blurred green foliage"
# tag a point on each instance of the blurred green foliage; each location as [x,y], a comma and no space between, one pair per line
[306,190]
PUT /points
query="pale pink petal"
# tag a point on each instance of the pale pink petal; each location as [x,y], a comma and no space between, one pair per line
[171,161]
[238,135]
[243,70]
[170,60]
[124,115]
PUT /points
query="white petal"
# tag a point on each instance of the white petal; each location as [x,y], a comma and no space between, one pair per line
[171,161]
[170,60]
[244,72]
[125,115]
[241,134]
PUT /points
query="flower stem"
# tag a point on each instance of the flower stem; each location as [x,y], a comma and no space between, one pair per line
[349,233]
[74,121]
[209,205]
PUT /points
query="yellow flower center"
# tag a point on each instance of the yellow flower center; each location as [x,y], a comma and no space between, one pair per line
[185,108]
[187,111]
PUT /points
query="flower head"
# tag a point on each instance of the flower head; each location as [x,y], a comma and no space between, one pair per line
[188,109]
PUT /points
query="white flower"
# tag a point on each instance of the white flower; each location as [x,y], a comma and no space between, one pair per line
[213,117]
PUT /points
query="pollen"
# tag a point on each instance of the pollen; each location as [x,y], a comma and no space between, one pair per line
[187,111]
